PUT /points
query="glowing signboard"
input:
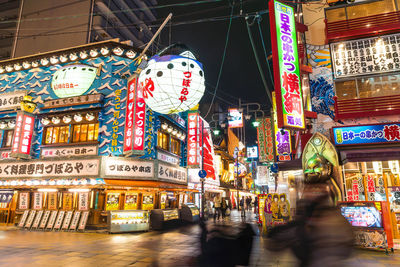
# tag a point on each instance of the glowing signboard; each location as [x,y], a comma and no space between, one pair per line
[172,83]
[129,116]
[289,97]
[192,140]
[73,80]
[252,152]
[283,144]
[22,140]
[140,117]
[235,119]
[265,133]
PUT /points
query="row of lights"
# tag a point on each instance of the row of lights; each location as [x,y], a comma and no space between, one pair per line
[9,124]
[49,182]
[104,51]
[68,118]
[173,131]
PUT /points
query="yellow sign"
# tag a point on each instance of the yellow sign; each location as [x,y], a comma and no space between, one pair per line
[130,201]
[67,201]
[148,202]
[52,201]
[163,200]
[112,201]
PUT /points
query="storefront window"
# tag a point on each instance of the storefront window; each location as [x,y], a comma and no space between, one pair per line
[163,140]
[7,138]
[175,146]
[80,133]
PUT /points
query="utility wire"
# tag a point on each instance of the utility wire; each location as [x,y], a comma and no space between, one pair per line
[222,61]
[265,52]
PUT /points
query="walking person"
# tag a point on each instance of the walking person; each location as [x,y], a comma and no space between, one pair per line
[217,207]
[248,203]
[224,207]
[242,206]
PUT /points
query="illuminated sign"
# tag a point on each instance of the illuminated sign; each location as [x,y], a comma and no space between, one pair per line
[235,119]
[252,152]
[289,97]
[140,117]
[283,144]
[22,140]
[265,133]
[129,116]
[72,101]
[73,80]
[208,154]
[172,83]
[192,140]
[385,133]
[11,100]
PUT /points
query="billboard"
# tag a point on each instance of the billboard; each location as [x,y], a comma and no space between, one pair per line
[289,97]
[252,152]
[235,119]
[22,139]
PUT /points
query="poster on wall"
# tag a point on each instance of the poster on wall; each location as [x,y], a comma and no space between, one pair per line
[288,90]
[23,201]
[67,201]
[52,200]
[5,197]
[112,202]
[83,201]
[131,201]
[148,202]
[37,200]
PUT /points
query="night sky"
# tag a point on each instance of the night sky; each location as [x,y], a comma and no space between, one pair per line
[240,76]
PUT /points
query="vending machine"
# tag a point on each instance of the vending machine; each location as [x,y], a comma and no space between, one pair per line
[371,223]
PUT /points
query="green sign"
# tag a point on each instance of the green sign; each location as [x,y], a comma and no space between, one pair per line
[289,97]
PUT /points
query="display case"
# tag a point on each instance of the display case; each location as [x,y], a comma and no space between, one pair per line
[190,212]
[160,219]
[128,221]
[371,223]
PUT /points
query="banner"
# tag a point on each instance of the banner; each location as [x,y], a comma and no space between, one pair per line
[283,143]
[265,140]
[192,140]
[23,201]
[22,139]
[37,200]
[83,201]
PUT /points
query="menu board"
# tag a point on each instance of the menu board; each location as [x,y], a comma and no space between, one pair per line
[366,56]
[75,220]
[52,200]
[83,221]
[30,219]
[67,220]
[147,202]
[23,218]
[52,219]
[37,219]
[83,201]
[23,201]
[67,201]
[59,219]
[44,219]
[37,200]
[112,201]
[131,200]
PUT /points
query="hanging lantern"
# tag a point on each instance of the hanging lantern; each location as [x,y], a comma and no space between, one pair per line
[172,83]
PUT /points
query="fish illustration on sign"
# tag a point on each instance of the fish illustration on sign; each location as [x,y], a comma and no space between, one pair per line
[73,80]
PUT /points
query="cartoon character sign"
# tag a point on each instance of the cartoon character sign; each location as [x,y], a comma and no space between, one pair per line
[275,207]
[284,208]
[172,83]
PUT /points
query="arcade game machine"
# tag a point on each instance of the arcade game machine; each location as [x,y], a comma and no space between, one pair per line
[371,223]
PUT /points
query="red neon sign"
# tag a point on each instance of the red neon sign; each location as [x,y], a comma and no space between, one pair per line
[129,116]
[23,132]
[192,139]
[140,119]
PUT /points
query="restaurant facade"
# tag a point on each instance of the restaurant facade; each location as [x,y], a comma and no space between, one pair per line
[78,142]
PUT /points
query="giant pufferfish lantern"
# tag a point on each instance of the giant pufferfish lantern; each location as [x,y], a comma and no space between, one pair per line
[172,83]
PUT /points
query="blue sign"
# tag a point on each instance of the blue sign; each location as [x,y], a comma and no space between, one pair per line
[202,174]
[367,134]
[274,168]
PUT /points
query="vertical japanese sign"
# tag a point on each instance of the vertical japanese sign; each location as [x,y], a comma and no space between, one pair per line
[283,144]
[289,97]
[140,117]
[129,116]
[115,123]
[265,140]
[370,184]
[355,190]
[23,201]
[37,200]
[192,139]
[83,201]
[22,138]
[52,200]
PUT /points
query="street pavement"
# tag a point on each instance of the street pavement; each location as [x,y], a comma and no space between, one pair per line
[176,247]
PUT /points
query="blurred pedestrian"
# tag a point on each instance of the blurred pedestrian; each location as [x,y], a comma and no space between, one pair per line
[224,207]
[248,203]
[242,204]
[217,207]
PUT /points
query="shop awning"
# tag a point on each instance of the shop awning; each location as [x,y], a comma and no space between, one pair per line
[372,154]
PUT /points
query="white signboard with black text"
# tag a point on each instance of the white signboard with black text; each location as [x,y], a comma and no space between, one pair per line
[167,158]
[68,151]
[11,100]
[366,56]
[36,222]
[172,174]
[23,218]
[30,219]
[54,168]
[127,168]
[44,219]
[75,220]
[59,219]
[67,220]
[52,219]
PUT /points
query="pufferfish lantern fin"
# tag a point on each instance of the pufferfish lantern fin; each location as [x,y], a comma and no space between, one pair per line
[188,54]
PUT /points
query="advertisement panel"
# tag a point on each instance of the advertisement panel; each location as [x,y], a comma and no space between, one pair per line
[235,119]
[252,152]
[192,140]
[129,116]
[289,96]
[283,144]
[140,117]
[265,141]
[22,139]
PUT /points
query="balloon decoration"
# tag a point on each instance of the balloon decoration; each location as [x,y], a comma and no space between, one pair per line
[172,83]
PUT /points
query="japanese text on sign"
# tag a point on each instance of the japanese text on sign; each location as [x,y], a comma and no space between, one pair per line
[174,174]
[265,141]
[68,151]
[140,117]
[187,75]
[367,134]
[365,56]
[115,123]
[89,167]
[129,168]
[192,139]
[283,145]
[129,116]
[72,101]
[23,132]
[11,100]
[289,96]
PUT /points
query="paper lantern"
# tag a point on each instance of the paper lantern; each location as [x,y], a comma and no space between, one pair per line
[172,83]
